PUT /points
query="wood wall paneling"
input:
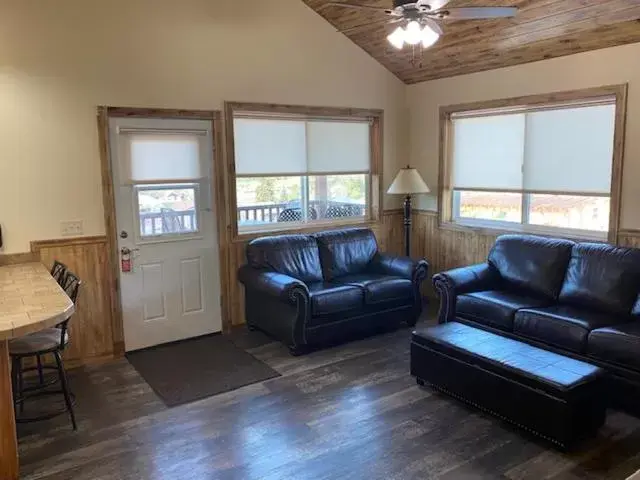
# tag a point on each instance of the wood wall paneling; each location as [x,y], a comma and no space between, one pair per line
[542,29]
[90,329]
[445,248]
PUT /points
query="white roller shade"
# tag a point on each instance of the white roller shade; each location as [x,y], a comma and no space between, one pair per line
[488,152]
[162,156]
[570,150]
[269,146]
[334,146]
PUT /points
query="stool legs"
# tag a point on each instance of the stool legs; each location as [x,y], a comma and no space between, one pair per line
[15,368]
[20,385]
[65,389]
[40,372]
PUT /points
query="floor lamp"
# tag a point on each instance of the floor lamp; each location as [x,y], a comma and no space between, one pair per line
[407,182]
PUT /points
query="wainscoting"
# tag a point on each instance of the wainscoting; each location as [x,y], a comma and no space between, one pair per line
[447,248]
[90,329]
[95,336]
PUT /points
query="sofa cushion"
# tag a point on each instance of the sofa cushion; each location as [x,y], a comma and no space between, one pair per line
[532,263]
[294,255]
[561,325]
[602,277]
[495,308]
[379,288]
[345,252]
[617,344]
[328,298]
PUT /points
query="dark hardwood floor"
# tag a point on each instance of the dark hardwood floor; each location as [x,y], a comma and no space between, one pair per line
[349,412]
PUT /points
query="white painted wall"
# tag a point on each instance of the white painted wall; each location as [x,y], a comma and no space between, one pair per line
[60,59]
[591,69]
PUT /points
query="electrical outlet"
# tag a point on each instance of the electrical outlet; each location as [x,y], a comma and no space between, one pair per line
[71,228]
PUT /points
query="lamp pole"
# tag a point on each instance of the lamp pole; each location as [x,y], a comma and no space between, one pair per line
[407,225]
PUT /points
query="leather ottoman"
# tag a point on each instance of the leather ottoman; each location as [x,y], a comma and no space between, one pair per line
[557,398]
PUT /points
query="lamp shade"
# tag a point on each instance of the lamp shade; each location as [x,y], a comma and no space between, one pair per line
[408,181]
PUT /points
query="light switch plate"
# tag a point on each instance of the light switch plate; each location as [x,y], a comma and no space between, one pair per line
[71,228]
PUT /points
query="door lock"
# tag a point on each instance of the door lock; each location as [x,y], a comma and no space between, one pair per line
[124,234]
[128,251]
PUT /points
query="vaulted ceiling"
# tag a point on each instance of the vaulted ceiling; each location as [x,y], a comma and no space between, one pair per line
[541,29]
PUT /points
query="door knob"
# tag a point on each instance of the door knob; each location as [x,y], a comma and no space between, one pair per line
[127,251]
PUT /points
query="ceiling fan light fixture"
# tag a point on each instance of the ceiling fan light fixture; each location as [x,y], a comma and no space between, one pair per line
[429,36]
[397,38]
[413,33]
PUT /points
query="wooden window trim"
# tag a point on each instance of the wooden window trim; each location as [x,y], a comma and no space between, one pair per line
[375,193]
[526,104]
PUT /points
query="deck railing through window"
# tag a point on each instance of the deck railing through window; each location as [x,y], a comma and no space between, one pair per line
[169,222]
[292,212]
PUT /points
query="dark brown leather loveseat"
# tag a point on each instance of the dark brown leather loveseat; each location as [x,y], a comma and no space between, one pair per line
[578,299]
[309,290]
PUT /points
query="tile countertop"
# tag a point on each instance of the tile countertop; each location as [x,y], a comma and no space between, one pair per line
[30,300]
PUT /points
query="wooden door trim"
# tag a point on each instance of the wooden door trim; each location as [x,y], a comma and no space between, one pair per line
[217,158]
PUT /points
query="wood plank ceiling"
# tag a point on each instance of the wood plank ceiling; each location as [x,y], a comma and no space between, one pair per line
[542,29]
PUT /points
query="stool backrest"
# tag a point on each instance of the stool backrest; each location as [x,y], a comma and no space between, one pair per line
[58,271]
[71,286]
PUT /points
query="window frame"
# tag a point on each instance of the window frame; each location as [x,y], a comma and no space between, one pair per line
[526,104]
[374,182]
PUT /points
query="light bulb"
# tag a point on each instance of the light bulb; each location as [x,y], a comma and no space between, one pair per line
[397,38]
[429,36]
[413,33]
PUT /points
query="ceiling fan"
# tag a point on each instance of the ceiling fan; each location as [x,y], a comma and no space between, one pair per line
[421,18]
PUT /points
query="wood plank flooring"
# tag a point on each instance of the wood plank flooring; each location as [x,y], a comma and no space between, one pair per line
[349,412]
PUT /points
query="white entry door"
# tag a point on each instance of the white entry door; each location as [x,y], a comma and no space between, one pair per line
[167,241]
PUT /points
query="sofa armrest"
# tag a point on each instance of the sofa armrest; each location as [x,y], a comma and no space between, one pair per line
[405,267]
[452,283]
[272,283]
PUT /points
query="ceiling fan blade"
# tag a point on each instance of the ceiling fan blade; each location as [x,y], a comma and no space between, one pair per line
[433,24]
[471,13]
[433,4]
[365,25]
[352,5]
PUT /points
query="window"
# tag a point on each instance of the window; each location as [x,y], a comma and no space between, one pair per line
[167,209]
[164,169]
[545,166]
[303,167]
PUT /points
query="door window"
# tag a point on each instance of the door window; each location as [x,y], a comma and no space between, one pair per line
[167,210]
[165,170]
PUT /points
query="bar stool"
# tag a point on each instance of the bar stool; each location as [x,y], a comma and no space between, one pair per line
[49,341]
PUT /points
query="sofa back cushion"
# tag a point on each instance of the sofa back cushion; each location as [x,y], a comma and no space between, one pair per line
[602,277]
[345,252]
[293,255]
[535,264]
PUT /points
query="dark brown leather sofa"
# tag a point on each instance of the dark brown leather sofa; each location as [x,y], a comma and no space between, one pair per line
[310,290]
[578,299]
